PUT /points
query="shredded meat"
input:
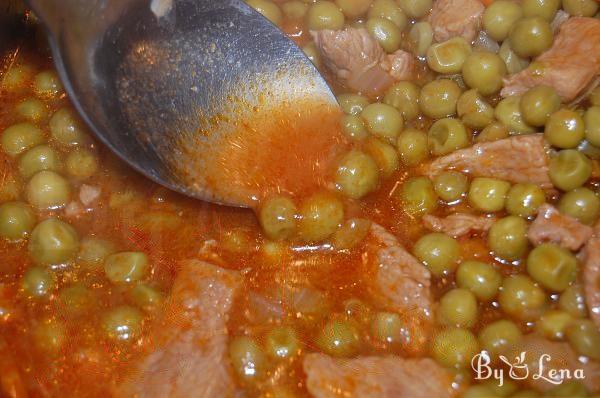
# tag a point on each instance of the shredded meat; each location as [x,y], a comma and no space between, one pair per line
[452,18]
[381,377]
[401,284]
[551,226]
[570,65]
[458,224]
[190,338]
[591,275]
[358,61]
[561,355]
[516,159]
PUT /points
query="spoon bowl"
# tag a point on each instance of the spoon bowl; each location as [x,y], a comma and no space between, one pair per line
[165,84]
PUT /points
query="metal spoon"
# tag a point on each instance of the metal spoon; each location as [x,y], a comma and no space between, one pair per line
[163,82]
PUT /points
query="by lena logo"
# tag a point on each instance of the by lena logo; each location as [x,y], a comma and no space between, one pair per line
[518,369]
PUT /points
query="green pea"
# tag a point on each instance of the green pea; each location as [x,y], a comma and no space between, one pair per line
[421,37]
[17,76]
[247,358]
[387,33]
[508,238]
[93,251]
[458,307]
[320,216]
[296,9]
[564,129]
[339,338]
[451,185]
[66,128]
[545,9]
[474,111]
[484,71]
[553,324]
[568,389]
[384,154]
[390,10]
[53,242]
[37,282]
[146,297]
[498,337]
[454,347]
[508,111]
[580,8]
[277,217]
[404,96]
[449,56]
[531,36]
[126,267]
[357,174]
[552,266]
[438,98]
[354,127]
[47,84]
[524,199]
[418,196]
[446,136]
[40,158]
[32,109]
[353,8]
[521,298]
[76,299]
[413,147]
[513,62]
[123,324]
[488,194]
[358,311]
[48,190]
[415,9]
[50,336]
[387,328]
[572,301]
[582,204]
[499,17]
[538,104]
[81,163]
[352,104]
[17,138]
[493,132]
[439,252]
[282,342]
[480,278]
[16,220]
[383,120]
[268,9]
[324,15]
[351,233]
[584,337]
[591,119]
[312,53]
[570,169]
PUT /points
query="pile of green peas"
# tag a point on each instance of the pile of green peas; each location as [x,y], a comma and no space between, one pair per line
[51,153]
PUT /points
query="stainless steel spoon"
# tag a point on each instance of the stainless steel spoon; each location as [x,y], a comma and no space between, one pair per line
[163,82]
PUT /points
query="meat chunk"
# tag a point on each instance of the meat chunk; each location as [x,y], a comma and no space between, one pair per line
[382,377]
[358,61]
[569,66]
[591,275]
[556,356]
[452,18]
[551,226]
[458,224]
[400,284]
[516,159]
[190,338]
